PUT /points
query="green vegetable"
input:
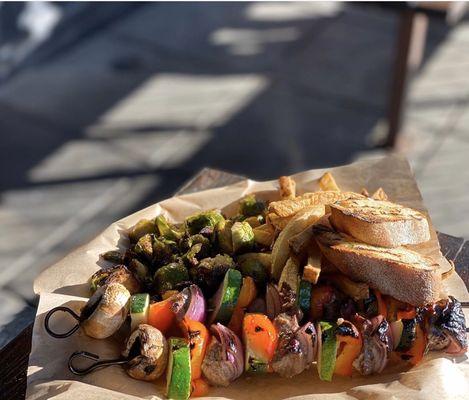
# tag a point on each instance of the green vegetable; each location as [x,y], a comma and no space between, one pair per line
[304,296]
[409,333]
[144,247]
[264,258]
[191,256]
[205,219]
[327,350]
[226,297]
[164,251]
[242,237]
[189,242]
[253,267]
[143,227]
[178,373]
[250,206]
[224,237]
[113,256]
[139,305]
[209,273]
[98,279]
[169,276]
[167,231]
[140,270]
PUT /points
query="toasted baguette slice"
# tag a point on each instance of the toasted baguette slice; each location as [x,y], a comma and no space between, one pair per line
[379,222]
[399,272]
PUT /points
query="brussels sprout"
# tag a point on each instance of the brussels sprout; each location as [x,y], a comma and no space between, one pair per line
[113,256]
[264,258]
[164,251]
[144,247]
[187,243]
[250,206]
[191,256]
[224,236]
[210,272]
[143,227]
[140,270]
[242,237]
[205,219]
[166,230]
[169,276]
[254,268]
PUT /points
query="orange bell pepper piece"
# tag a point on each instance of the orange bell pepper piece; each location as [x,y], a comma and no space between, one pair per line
[349,345]
[198,337]
[260,340]
[415,354]
[320,296]
[248,292]
[161,316]
[236,321]
[199,388]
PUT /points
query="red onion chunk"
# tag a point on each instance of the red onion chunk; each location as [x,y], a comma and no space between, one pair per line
[224,359]
[190,303]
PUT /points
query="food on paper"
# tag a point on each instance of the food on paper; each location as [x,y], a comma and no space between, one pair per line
[318,278]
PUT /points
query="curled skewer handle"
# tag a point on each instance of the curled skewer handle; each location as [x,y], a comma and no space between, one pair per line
[92,367]
[66,334]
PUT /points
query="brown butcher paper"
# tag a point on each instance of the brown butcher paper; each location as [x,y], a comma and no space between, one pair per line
[438,376]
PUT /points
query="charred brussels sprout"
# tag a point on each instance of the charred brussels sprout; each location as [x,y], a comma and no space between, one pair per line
[166,230]
[140,270]
[189,242]
[254,268]
[143,227]
[144,247]
[242,237]
[250,206]
[164,251]
[203,220]
[169,276]
[224,236]
[210,272]
[113,256]
[191,256]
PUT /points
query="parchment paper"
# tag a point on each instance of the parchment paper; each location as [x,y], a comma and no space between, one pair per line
[437,377]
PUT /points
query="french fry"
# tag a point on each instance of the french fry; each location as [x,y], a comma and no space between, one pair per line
[289,207]
[327,182]
[380,194]
[301,241]
[281,248]
[313,266]
[278,222]
[287,187]
[264,234]
[356,290]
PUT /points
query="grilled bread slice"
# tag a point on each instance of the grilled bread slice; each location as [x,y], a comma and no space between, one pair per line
[379,222]
[398,272]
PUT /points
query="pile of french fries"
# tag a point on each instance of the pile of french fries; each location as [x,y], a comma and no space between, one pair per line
[289,231]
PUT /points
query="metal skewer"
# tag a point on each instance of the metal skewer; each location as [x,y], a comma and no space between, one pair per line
[92,367]
[66,334]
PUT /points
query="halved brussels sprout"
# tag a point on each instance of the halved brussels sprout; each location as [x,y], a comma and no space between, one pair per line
[242,237]
[254,268]
[164,251]
[224,236]
[205,219]
[210,272]
[144,247]
[250,206]
[166,230]
[169,276]
[141,228]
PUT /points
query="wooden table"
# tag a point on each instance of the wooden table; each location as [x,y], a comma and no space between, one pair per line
[14,356]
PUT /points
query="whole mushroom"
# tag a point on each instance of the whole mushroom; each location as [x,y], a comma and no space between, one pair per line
[147,351]
[105,311]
